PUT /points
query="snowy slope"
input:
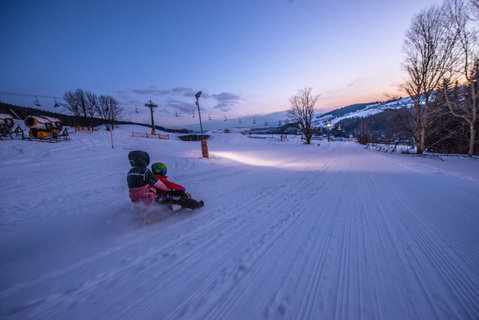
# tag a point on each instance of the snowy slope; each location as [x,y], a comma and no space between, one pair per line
[287,231]
[368,110]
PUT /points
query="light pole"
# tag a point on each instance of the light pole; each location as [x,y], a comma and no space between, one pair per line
[197,96]
[111,125]
[151,105]
[204,145]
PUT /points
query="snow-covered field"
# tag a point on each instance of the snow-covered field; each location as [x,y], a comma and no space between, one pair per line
[287,231]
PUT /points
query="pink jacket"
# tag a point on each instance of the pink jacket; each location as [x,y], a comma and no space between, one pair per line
[147,193]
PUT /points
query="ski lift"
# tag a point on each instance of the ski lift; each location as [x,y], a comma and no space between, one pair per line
[209,117]
[239,120]
[193,114]
[136,109]
[36,102]
[254,120]
[265,123]
[56,105]
[176,115]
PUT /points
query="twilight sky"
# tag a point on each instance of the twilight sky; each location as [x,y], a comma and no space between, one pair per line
[248,57]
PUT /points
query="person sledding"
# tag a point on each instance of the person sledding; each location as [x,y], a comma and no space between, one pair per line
[177,197]
[145,187]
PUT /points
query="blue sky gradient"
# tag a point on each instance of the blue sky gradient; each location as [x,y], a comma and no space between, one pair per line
[248,57]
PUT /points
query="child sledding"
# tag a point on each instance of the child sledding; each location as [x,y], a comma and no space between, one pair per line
[150,187]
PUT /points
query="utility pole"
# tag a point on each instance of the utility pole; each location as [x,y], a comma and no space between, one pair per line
[151,105]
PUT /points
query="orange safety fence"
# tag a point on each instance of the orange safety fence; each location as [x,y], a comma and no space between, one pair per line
[83,129]
[146,135]
[163,136]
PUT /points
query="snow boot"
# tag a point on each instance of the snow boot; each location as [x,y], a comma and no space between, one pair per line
[190,203]
[193,204]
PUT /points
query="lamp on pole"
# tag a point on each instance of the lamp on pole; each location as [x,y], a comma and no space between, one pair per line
[151,105]
[204,145]
[197,96]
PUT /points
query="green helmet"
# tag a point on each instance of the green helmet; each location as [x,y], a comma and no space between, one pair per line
[158,168]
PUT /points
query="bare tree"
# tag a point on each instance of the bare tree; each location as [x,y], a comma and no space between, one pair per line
[72,104]
[108,109]
[465,29]
[302,111]
[78,103]
[91,104]
[364,133]
[475,9]
[429,58]
[81,99]
[449,134]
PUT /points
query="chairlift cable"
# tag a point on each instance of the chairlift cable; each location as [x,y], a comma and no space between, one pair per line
[27,95]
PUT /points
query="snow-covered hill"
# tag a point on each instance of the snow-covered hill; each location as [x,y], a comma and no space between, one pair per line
[359,111]
[287,231]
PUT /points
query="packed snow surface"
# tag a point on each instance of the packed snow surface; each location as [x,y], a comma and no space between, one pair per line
[287,231]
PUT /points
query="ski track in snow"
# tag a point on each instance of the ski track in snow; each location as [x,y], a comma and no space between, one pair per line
[335,232]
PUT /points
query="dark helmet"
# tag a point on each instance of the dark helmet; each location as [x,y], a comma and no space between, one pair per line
[158,168]
[139,158]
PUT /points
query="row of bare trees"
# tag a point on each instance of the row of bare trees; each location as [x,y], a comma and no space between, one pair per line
[442,63]
[88,105]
